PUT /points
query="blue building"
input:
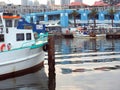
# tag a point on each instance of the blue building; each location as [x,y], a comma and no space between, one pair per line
[65,19]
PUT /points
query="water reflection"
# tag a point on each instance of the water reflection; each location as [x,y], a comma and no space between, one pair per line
[81,64]
[74,45]
[107,68]
[87,64]
[80,51]
[34,81]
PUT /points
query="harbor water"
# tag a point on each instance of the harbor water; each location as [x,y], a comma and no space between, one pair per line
[80,64]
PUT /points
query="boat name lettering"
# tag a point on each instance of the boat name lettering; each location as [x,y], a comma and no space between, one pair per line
[39,27]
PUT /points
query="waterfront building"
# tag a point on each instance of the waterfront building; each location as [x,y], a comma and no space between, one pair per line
[78,0]
[64,18]
[111,2]
[77,5]
[51,2]
[100,4]
[36,2]
[64,2]
[24,2]
[22,9]
[30,3]
[2,3]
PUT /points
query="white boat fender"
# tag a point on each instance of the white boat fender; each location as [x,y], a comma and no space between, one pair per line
[2,47]
[45,47]
[9,46]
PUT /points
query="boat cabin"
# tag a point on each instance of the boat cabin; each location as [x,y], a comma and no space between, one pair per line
[54,28]
[10,36]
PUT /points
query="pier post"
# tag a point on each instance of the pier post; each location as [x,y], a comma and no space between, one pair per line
[51,62]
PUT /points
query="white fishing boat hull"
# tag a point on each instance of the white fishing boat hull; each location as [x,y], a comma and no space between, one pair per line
[20,60]
[81,35]
[77,35]
[21,48]
[101,35]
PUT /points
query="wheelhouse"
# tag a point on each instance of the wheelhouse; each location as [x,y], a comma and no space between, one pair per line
[10,34]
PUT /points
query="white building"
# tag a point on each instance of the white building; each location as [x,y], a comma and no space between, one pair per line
[30,3]
[78,0]
[51,2]
[24,2]
[36,2]
[2,3]
[64,2]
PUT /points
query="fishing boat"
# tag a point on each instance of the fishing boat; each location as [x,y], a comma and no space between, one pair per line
[88,33]
[79,34]
[55,29]
[21,49]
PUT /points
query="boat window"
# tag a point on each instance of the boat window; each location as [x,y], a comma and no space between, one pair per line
[28,36]
[27,27]
[16,23]
[58,29]
[8,23]
[1,38]
[20,37]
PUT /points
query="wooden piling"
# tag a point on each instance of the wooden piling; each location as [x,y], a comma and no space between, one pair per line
[51,62]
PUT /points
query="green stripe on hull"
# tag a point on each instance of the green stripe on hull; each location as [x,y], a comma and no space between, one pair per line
[31,47]
[37,46]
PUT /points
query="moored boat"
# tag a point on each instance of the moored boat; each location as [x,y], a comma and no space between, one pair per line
[68,32]
[21,51]
[88,33]
[79,34]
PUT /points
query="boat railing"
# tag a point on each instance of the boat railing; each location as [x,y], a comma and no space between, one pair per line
[97,31]
[26,44]
[42,38]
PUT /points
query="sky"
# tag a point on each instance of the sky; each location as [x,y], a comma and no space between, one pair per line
[89,2]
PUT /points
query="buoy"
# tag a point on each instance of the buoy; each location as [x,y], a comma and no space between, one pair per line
[2,47]
[9,46]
